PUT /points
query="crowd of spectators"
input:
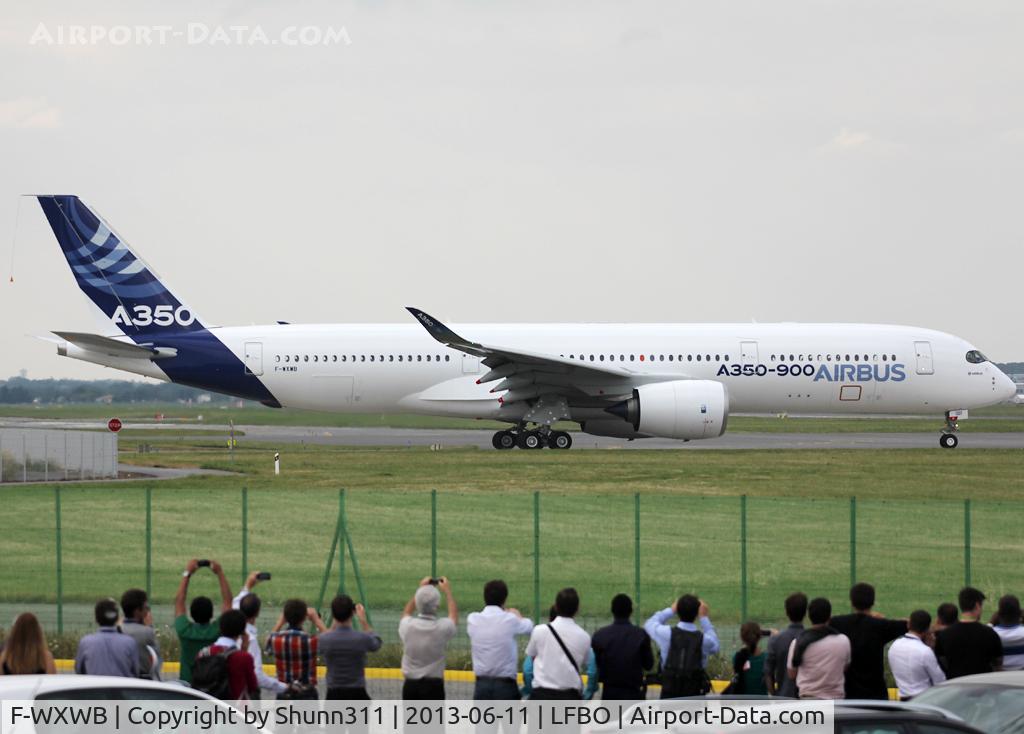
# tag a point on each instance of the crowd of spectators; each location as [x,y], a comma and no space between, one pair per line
[818,655]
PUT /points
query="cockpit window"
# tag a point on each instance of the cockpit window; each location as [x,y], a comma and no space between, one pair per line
[976,357]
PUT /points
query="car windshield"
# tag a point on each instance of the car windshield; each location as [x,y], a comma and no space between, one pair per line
[976,357]
[995,709]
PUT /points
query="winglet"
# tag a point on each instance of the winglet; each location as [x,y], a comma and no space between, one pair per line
[442,333]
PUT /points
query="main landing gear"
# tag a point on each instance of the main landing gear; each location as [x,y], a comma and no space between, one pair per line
[540,438]
[948,439]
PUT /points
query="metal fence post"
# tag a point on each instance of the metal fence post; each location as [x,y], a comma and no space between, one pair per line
[60,564]
[536,557]
[2,458]
[853,541]
[65,455]
[330,562]
[245,534]
[46,457]
[341,546]
[967,542]
[24,459]
[356,572]
[743,557]
[149,541]
[433,533]
[636,550]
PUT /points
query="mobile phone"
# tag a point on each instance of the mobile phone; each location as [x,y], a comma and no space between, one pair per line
[766,633]
[435,582]
[203,563]
[263,576]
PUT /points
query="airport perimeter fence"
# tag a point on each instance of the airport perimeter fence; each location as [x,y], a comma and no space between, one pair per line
[63,547]
[34,455]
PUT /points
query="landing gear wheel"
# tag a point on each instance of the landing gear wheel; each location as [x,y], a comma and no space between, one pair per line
[948,440]
[503,440]
[559,440]
[530,440]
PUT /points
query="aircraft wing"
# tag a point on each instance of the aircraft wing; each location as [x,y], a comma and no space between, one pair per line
[526,375]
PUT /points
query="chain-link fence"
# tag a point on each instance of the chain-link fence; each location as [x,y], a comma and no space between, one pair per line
[65,546]
[34,455]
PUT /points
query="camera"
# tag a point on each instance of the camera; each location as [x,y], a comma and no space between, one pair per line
[203,563]
[435,582]
[263,576]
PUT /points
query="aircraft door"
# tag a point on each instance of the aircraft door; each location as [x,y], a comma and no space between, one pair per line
[254,358]
[748,353]
[923,350]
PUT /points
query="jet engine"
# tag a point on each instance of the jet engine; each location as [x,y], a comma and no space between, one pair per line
[685,409]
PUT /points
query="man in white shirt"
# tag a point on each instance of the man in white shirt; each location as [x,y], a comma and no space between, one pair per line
[556,665]
[492,636]
[912,662]
[249,604]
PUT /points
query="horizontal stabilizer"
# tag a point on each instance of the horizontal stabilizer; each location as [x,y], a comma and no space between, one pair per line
[113,347]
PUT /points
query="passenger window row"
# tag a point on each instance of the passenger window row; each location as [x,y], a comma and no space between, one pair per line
[829,358]
[725,358]
[362,358]
[645,357]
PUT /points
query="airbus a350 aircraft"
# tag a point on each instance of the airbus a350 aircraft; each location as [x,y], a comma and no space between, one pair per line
[624,380]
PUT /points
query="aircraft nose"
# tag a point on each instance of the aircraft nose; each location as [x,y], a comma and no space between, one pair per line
[1007,387]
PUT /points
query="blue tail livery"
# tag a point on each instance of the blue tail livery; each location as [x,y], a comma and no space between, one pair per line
[140,306]
[111,275]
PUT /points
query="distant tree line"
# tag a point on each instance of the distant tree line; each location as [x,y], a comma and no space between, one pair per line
[19,390]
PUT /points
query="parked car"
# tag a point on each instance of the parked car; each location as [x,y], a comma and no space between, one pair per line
[45,691]
[893,717]
[992,702]
[93,687]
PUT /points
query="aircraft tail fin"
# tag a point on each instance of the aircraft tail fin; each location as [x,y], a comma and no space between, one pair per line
[114,278]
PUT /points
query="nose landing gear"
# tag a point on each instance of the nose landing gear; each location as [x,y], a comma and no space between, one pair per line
[948,439]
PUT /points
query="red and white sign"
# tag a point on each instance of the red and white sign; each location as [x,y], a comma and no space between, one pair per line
[114,424]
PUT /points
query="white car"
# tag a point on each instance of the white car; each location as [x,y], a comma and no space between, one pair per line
[94,687]
[55,693]
[992,702]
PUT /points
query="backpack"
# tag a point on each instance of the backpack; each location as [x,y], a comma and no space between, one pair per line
[683,673]
[210,673]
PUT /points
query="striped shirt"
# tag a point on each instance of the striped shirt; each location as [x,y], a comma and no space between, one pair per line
[1013,646]
[294,656]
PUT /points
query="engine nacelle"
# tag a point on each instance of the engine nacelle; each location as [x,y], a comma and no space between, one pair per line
[686,409]
[612,427]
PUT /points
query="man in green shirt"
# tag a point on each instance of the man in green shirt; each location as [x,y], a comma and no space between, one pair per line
[196,633]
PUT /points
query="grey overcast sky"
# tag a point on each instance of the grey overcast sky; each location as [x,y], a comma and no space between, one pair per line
[527,161]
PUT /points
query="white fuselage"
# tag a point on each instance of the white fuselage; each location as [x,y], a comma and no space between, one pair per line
[767,368]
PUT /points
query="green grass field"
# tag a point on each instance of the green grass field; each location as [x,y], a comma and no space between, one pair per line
[909,524]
